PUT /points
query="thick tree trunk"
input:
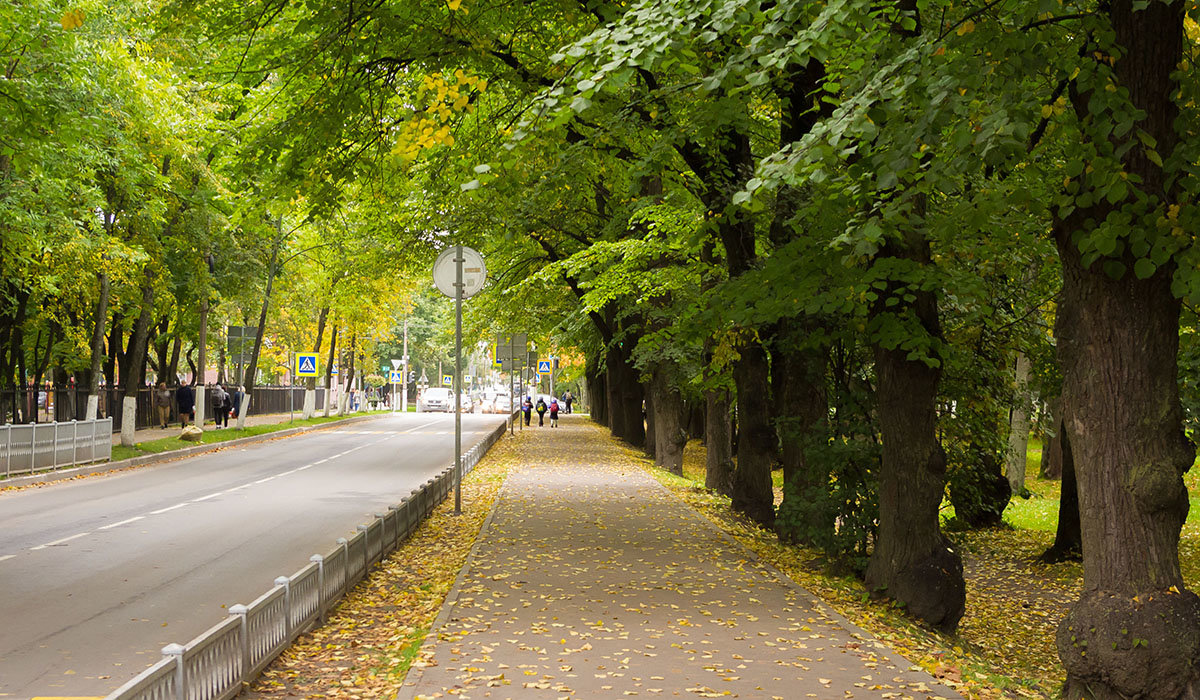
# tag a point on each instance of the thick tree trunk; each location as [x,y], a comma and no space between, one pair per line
[695,420]
[597,392]
[136,353]
[98,324]
[625,397]
[752,490]
[1135,631]
[1018,428]
[913,562]
[669,434]
[202,359]
[718,442]
[1068,538]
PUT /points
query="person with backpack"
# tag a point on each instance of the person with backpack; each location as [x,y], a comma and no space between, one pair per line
[526,408]
[553,413]
[568,398]
[218,400]
[541,410]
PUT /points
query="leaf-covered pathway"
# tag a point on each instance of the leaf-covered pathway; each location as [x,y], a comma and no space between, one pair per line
[590,580]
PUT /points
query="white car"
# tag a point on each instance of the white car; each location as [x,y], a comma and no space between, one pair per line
[502,404]
[437,399]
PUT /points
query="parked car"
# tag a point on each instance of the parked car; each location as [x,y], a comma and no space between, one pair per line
[437,399]
[502,404]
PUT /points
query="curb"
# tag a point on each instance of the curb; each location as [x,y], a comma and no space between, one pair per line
[170,455]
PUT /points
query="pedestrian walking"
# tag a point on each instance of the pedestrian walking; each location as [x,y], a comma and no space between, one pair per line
[185,399]
[553,413]
[541,409]
[567,399]
[217,400]
[162,404]
[235,400]
[526,408]
[227,404]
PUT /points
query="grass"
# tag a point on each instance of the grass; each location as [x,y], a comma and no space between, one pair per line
[210,437]
[1004,646]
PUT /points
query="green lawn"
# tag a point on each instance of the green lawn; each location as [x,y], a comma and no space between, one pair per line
[210,437]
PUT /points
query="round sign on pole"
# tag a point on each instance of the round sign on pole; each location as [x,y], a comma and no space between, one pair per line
[474,272]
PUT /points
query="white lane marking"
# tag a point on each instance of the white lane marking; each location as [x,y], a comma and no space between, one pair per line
[164,510]
[58,542]
[205,498]
[6,557]
[123,522]
[263,481]
[243,486]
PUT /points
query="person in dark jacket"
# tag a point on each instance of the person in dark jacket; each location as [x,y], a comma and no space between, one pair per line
[541,409]
[553,413]
[235,399]
[219,401]
[185,399]
[527,408]
[227,404]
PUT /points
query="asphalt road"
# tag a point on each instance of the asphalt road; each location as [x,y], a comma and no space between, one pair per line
[97,575]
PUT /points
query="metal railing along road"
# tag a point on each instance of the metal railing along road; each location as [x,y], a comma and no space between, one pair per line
[25,449]
[216,664]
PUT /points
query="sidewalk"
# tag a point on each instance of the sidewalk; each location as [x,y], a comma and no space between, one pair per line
[146,434]
[590,580]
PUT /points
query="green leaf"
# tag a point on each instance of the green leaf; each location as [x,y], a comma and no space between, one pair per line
[1144,268]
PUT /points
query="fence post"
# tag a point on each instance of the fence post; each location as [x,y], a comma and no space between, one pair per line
[383,538]
[321,602]
[74,441]
[366,547]
[241,612]
[287,604]
[176,651]
[7,451]
[396,526]
[345,545]
[54,448]
[33,447]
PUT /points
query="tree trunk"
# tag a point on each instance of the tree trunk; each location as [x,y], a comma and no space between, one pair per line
[912,562]
[1068,539]
[695,420]
[310,383]
[669,434]
[136,353]
[329,370]
[252,368]
[1018,428]
[651,446]
[752,490]
[98,324]
[202,360]
[597,385]
[1051,466]
[173,363]
[1135,631]
[718,442]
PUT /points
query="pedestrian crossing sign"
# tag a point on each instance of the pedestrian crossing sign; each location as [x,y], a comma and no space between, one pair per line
[397,376]
[306,364]
[466,379]
[447,380]
[543,366]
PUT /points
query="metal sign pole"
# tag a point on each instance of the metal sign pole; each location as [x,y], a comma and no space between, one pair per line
[404,377]
[291,388]
[458,294]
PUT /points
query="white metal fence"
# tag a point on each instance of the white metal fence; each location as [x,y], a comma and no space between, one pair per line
[36,447]
[216,665]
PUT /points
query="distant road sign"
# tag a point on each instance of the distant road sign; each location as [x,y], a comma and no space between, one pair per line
[396,376]
[396,364]
[445,274]
[447,380]
[466,379]
[306,364]
[334,369]
[543,366]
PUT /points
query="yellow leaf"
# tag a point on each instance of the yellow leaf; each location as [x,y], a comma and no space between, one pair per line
[966,27]
[72,19]
[453,4]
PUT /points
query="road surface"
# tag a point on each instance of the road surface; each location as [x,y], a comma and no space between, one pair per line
[97,575]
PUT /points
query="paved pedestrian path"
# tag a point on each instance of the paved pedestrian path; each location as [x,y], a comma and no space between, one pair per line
[590,580]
